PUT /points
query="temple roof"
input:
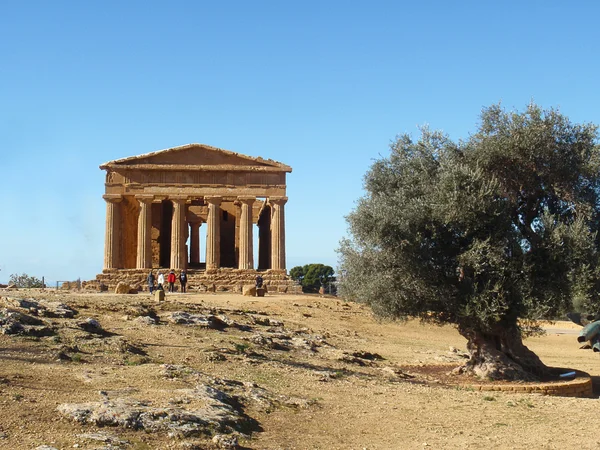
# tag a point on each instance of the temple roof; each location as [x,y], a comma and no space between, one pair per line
[195,157]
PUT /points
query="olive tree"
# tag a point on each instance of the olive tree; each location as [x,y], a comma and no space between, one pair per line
[489,234]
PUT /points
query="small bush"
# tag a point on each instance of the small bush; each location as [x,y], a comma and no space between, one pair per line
[25,281]
[241,348]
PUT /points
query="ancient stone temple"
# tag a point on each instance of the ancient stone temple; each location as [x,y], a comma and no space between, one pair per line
[158,204]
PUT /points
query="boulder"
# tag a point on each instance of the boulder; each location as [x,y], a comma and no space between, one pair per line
[23,319]
[146,320]
[122,288]
[225,441]
[208,321]
[25,303]
[90,325]
[220,412]
[56,309]
[249,291]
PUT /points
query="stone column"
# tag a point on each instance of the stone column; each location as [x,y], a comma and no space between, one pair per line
[144,237]
[246,252]
[195,242]
[213,233]
[112,237]
[178,234]
[278,233]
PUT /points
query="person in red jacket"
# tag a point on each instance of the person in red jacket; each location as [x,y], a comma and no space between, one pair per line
[171,278]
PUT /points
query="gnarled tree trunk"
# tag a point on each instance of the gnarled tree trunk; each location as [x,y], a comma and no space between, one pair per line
[501,355]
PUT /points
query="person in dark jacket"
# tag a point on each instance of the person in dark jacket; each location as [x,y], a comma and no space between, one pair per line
[183,280]
[151,282]
[171,278]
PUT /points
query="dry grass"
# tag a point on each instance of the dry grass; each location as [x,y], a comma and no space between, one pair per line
[353,406]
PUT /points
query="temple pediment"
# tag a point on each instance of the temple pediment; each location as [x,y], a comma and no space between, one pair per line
[194,157]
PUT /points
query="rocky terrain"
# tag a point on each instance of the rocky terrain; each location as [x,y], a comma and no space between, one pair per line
[213,371]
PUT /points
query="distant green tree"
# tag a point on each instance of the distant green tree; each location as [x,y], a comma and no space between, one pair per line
[489,234]
[312,276]
[25,281]
[297,274]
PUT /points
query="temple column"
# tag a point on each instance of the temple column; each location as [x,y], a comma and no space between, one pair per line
[112,237]
[195,242]
[278,233]
[178,234]
[246,252]
[213,233]
[144,236]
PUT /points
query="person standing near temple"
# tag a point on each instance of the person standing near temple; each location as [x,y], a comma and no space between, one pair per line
[161,281]
[183,280]
[171,278]
[151,282]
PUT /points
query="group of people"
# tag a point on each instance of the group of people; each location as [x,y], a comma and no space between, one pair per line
[171,279]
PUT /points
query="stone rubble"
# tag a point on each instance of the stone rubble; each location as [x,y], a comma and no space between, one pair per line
[225,442]
[145,320]
[14,322]
[21,316]
[221,412]
[207,321]
[91,325]
[103,437]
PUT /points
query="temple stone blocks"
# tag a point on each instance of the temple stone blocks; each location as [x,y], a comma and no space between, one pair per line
[161,205]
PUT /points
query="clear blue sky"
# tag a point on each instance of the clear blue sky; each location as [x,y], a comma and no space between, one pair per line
[322,86]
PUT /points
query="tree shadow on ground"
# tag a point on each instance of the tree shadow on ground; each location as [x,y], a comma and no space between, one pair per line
[313,367]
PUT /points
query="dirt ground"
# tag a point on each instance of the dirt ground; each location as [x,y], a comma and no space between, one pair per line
[353,372]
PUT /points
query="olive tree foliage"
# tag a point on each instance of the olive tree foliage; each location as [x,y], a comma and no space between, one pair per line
[25,281]
[482,232]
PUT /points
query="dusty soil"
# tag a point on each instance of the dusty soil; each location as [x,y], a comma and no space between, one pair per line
[362,384]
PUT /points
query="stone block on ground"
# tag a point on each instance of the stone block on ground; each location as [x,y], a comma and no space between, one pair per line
[260,292]
[249,291]
[159,295]
[122,288]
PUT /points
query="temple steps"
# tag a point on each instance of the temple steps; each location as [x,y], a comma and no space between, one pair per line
[223,279]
